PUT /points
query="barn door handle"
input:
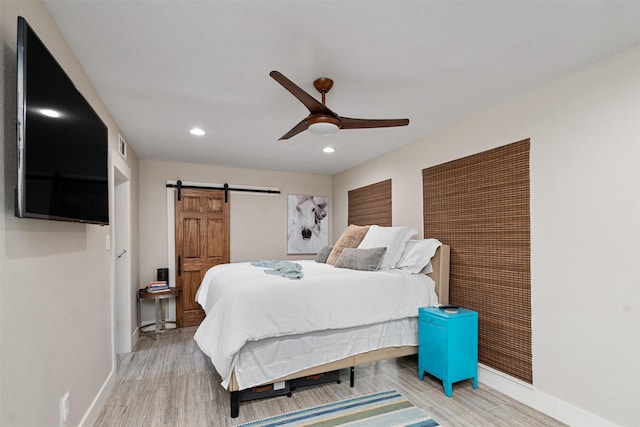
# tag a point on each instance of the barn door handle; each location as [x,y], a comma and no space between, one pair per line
[179,265]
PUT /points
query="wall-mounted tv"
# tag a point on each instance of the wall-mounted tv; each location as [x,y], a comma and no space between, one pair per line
[62,143]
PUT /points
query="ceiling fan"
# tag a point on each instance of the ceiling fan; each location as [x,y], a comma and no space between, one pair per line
[321,119]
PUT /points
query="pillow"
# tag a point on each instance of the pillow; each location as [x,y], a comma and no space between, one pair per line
[393,238]
[417,255]
[361,259]
[351,238]
[323,254]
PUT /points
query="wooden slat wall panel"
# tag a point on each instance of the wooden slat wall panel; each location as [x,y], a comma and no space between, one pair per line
[370,205]
[479,205]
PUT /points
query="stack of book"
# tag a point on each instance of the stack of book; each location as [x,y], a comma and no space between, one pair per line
[158,286]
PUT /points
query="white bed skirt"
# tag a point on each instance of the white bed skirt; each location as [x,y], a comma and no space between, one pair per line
[260,362]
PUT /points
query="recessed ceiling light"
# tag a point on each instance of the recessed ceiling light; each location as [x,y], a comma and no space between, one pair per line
[197,132]
[328,149]
[50,113]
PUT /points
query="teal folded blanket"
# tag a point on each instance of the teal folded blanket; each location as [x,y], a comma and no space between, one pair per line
[291,270]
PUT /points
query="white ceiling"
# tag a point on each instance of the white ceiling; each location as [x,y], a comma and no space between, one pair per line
[162,67]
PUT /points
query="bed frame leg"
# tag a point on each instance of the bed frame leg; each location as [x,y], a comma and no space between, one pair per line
[235,404]
[352,376]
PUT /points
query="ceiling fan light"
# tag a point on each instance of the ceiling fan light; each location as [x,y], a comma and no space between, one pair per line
[323,128]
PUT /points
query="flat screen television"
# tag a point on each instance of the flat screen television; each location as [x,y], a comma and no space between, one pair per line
[62,143]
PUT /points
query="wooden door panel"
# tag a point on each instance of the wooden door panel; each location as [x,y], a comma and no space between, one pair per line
[214,205]
[191,241]
[190,204]
[191,282]
[202,241]
[215,245]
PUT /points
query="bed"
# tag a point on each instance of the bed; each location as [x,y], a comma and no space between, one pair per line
[332,318]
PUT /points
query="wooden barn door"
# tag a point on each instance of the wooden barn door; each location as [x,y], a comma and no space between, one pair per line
[202,241]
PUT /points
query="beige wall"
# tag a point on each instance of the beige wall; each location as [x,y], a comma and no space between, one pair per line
[585,233]
[56,289]
[258,221]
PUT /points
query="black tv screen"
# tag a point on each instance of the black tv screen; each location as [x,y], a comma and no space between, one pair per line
[62,143]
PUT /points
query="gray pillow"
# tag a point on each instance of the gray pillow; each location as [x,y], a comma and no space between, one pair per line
[323,254]
[361,259]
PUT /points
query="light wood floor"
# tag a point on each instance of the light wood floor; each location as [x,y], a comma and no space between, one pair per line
[169,382]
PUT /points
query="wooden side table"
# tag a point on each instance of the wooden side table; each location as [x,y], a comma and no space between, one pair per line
[160,320]
[448,345]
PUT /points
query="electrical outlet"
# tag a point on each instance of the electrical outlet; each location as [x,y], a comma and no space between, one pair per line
[64,409]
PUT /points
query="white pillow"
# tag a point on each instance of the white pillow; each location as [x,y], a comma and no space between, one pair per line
[417,254]
[393,238]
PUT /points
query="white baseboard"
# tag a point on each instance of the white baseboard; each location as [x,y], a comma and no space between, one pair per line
[538,400]
[91,416]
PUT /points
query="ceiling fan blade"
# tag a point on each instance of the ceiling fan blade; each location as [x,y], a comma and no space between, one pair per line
[350,123]
[302,126]
[312,104]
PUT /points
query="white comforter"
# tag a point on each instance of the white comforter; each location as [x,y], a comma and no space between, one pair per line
[243,304]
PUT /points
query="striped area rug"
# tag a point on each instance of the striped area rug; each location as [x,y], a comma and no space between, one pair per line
[386,409]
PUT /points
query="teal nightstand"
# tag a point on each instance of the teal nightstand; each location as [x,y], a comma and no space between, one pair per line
[448,345]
